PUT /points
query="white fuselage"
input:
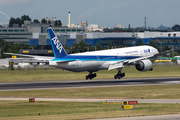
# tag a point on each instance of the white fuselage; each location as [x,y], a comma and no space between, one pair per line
[100,60]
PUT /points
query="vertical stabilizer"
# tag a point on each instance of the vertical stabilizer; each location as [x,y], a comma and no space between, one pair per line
[57,47]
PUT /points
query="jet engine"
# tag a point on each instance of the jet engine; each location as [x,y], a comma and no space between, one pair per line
[144,65]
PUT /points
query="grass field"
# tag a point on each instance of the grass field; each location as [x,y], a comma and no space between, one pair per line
[20,110]
[137,92]
[74,110]
[54,75]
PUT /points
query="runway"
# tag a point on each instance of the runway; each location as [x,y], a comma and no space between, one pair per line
[96,83]
[88,83]
[155,117]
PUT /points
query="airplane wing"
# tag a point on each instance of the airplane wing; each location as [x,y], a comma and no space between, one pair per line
[163,53]
[126,62]
[122,64]
[23,55]
[32,56]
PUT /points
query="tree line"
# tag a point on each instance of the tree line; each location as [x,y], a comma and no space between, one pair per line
[141,29]
[18,21]
[21,20]
[11,47]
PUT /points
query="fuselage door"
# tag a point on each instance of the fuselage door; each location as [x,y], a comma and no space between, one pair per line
[118,56]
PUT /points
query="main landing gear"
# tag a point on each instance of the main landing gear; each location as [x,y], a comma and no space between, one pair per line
[119,75]
[90,76]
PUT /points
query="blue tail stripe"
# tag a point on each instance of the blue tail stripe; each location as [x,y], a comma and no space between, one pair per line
[57,47]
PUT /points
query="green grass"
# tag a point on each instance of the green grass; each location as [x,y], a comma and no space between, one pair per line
[137,92]
[21,110]
[54,75]
[75,110]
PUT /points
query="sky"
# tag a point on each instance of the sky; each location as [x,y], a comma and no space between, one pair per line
[105,13]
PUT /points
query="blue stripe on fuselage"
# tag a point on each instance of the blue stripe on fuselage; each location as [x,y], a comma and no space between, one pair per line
[96,58]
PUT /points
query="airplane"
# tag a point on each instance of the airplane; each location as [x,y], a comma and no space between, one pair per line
[140,56]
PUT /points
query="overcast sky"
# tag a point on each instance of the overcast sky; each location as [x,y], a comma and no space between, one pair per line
[102,12]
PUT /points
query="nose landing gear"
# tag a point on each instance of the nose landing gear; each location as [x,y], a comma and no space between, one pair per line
[90,76]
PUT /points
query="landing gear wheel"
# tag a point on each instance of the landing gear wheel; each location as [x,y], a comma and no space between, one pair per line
[90,76]
[123,74]
[87,77]
[115,77]
[119,75]
[94,75]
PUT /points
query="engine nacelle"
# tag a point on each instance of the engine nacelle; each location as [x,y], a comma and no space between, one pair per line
[144,65]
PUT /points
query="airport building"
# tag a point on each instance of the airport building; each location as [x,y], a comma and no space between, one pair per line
[15,35]
[32,31]
[160,39]
[36,34]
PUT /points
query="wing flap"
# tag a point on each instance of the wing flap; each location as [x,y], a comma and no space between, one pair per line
[116,65]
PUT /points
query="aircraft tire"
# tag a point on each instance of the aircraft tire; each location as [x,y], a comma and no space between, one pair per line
[115,77]
[94,75]
[90,77]
[123,74]
[119,76]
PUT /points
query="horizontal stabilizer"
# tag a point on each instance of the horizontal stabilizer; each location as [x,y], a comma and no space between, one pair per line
[65,61]
[23,55]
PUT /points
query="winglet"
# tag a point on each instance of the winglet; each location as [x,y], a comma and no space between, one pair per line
[56,45]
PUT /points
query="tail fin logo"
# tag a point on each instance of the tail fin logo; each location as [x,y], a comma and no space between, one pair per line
[57,44]
[57,47]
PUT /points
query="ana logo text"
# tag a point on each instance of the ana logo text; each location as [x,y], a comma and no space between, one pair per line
[146,50]
[57,44]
